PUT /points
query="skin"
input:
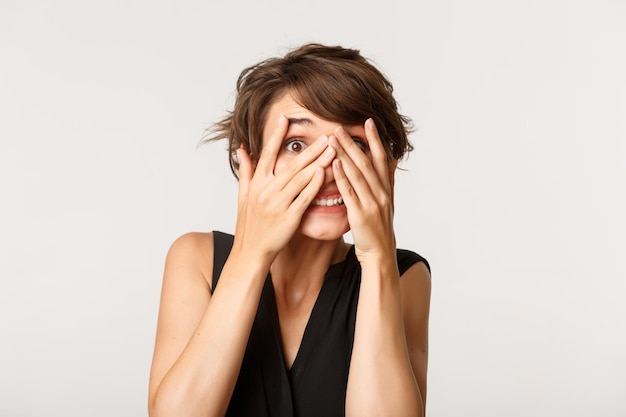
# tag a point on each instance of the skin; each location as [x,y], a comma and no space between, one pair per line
[201,337]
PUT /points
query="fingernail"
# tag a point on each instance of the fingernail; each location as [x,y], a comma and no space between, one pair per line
[329,153]
[369,123]
[322,140]
[281,120]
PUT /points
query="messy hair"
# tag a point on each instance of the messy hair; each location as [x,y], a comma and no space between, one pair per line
[337,84]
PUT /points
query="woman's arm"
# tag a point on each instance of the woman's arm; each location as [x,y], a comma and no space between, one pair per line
[201,338]
[389,358]
[388,366]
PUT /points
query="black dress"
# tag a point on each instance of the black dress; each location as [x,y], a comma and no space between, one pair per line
[316,384]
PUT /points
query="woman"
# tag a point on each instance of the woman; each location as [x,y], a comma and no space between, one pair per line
[314,138]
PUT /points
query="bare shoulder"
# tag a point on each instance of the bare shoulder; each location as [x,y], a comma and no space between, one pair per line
[193,241]
[418,271]
[415,287]
[191,253]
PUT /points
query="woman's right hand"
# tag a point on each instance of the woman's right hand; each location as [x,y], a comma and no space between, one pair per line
[271,205]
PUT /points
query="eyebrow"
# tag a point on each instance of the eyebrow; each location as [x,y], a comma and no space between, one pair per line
[301,121]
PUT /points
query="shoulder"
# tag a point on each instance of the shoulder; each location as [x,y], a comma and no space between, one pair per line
[192,245]
[192,252]
[407,259]
[415,284]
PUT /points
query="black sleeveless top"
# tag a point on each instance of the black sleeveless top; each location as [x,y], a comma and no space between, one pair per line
[316,383]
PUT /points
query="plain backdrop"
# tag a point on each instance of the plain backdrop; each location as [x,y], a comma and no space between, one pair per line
[516,190]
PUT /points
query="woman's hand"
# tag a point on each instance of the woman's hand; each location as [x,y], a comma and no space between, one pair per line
[271,205]
[366,186]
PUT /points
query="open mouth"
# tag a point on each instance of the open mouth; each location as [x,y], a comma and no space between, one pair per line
[330,202]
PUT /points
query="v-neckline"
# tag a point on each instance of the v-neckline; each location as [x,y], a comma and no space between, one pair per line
[312,327]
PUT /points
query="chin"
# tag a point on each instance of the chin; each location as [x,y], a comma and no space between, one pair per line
[324,227]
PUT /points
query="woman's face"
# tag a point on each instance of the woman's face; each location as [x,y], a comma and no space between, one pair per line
[326,218]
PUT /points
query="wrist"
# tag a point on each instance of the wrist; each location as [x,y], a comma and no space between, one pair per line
[384,264]
[249,263]
[376,258]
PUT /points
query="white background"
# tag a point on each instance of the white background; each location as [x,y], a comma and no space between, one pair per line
[515,191]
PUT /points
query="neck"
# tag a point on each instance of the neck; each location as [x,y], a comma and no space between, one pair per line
[302,264]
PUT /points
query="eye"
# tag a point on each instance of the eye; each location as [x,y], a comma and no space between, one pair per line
[295,145]
[361,144]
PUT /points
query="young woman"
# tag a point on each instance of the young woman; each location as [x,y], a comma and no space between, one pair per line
[285,318]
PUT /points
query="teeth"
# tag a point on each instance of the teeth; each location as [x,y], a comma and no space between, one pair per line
[328,203]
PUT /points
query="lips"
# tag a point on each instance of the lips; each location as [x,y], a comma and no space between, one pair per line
[328,198]
[328,202]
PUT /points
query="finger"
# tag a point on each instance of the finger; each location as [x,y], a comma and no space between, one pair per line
[245,176]
[318,152]
[358,158]
[308,193]
[362,183]
[299,181]
[379,156]
[271,147]
[344,186]
[245,172]
[392,178]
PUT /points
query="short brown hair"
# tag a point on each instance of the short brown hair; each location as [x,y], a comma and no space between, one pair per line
[335,83]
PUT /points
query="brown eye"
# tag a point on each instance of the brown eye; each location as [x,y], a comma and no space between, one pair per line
[295,145]
[361,144]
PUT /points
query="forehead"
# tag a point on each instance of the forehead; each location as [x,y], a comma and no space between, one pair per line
[288,106]
[299,117]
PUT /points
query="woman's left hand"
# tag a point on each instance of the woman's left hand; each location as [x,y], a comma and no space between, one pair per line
[366,186]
